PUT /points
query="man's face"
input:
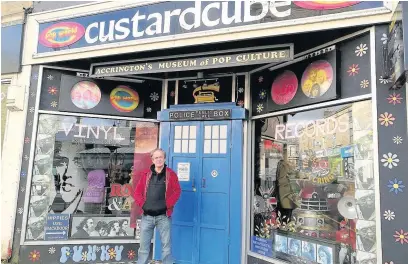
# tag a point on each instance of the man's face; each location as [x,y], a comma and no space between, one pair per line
[125,225]
[158,159]
[103,232]
[116,227]
[89,224]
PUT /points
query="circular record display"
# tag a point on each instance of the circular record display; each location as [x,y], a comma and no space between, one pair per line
[317,78]
[124,99]
[284,87]
[85,95]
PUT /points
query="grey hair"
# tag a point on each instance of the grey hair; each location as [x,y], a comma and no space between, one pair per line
[157,149]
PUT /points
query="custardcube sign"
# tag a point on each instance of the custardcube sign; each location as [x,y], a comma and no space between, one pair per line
[180,17]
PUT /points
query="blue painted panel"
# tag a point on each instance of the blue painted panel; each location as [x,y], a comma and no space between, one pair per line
[203,220]
[236,193]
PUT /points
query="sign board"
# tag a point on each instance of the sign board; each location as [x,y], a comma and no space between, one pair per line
[188,64]
[56,227]
[261,246]
[178,18]
[183,171]
[200,114]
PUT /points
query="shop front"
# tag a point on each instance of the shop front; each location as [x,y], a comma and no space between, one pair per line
[288,147]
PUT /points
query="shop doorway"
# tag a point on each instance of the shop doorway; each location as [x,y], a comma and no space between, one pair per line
[200,154]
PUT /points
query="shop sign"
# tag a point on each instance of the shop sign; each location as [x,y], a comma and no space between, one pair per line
[228,60]
[200,114]
[88,134]
[313,128]
[61,34]
[180,18]
[261,246]
[56,227]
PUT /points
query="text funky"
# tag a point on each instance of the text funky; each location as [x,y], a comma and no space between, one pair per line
[89,253]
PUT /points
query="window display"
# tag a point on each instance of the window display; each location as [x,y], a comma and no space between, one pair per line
[313,196]
[85,168]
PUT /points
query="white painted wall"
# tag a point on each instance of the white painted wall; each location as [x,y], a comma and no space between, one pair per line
[11,162]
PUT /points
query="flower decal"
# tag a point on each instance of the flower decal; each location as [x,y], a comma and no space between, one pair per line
[384,40]
[396,186]
[172,94]
[27,140]
[34,255]
[84,256]
[20,210]
[26,157]
[131,254]
[112,253]
[260,79]
[50,77]
[149,109]
[389,215]
[52,90]
[397,140]
[353,70]
[262,94]
[31,109]
[390,160]
[23,174]
[259,108]
[154,96]
[69,253]
[361,50]
[51,250]
[394,98]
[54,104]
[32,94]
[384,80]
[386,119]
[240,90]
[241,103]
[401,237]
[364,84]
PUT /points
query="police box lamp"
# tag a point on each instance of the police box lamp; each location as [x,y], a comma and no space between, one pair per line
[15,97]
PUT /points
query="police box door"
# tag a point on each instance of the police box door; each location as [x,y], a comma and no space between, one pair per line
[200,154]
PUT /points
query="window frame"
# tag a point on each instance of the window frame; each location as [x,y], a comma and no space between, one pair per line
[30,161]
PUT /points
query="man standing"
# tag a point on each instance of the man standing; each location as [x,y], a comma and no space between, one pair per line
[157,193]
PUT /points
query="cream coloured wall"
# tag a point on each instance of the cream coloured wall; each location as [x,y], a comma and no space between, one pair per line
[11,161]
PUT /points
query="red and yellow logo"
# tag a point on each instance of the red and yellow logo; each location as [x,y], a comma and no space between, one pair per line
[324,5]
[124,99]
[61,34]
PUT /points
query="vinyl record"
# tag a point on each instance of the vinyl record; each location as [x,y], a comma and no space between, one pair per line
[347,207]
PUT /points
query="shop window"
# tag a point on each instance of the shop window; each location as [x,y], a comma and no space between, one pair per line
[84,171]
[185,139]
[313,192]
[215,139]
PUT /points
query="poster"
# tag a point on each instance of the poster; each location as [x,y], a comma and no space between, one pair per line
[56,227]
[183,171]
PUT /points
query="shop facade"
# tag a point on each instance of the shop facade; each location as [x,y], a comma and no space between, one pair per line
[288,142]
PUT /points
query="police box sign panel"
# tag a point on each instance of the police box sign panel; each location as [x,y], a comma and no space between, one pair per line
[180,17]
[200,114]
[229,60]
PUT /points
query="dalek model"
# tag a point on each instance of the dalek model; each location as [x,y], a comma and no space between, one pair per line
[312,214]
